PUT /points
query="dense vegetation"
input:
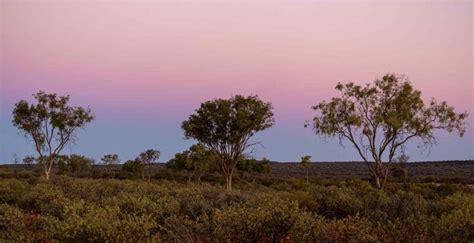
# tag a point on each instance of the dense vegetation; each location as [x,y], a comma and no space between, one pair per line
[68,198]
[268,210]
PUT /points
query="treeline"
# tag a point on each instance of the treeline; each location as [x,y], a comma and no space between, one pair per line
[67,209]
[248,170]
[377,119]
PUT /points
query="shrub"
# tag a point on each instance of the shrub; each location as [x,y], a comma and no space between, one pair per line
[45,198]
[11,190]
[12,225]
[337,202]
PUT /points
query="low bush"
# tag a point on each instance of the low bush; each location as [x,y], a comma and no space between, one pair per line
[97,210]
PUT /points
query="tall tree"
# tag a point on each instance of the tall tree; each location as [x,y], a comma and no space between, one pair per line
[379,119]
[226,126]
[147,158]
[51,123]
[109,161]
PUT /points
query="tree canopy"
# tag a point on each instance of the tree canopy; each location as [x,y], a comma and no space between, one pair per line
[196,161]
[225,127]
[146,158]
[51,123]
[379,119]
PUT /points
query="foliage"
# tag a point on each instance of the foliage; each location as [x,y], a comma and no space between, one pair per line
[225,126]
[379,119]
[196,161]
[71,209]
[74,164]
[146,158]
[12,225]
[51,124]
[252,167]
[109,160]
[306,163]
[133,167]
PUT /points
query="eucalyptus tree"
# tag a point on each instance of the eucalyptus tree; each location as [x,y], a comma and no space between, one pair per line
[147,158]
[379,119]
[51,123]
[109,161]
[226,126]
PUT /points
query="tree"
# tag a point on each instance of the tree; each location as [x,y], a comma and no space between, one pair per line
[201,160]
[74,164]
[29,160]
[252,167]
[379,119]
[133,166]
[306,163]
[196,161]
[51,123]
[109,161]
[146,158]
[226,126]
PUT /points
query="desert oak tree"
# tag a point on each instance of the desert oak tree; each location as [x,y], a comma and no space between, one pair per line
[379,119]
[226,126]
[51,123]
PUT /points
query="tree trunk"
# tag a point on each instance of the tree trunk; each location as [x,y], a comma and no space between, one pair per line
[377,182]
[229,182]
[46,174]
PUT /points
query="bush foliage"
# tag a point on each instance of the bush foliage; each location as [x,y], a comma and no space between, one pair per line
[70,209]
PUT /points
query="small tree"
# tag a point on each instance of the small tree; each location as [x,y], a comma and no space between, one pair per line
[147,158]
[51,123]
[225,127]
[379,119]
[75,165]
[201,160]
[181,162]
[252,167]
[109,161]
[133,166]
[306,163]
[195,162]
[29,160]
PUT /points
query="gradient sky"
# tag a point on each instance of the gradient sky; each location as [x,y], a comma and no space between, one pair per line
[144,66]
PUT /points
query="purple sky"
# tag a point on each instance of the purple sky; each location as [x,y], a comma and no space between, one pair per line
[144,66]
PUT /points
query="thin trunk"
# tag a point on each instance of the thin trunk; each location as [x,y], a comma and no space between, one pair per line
[229,181]
[48,167]
[46,174]
[377,182]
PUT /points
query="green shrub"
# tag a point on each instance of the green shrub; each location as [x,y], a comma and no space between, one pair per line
[11,190]
[85,223]
[262,219]
[337,202]
[45,198]
[12,225]
[311,228]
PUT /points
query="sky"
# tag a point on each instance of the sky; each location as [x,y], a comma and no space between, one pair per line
[144,66]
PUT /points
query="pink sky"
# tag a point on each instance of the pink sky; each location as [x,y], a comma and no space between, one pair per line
[151,59]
